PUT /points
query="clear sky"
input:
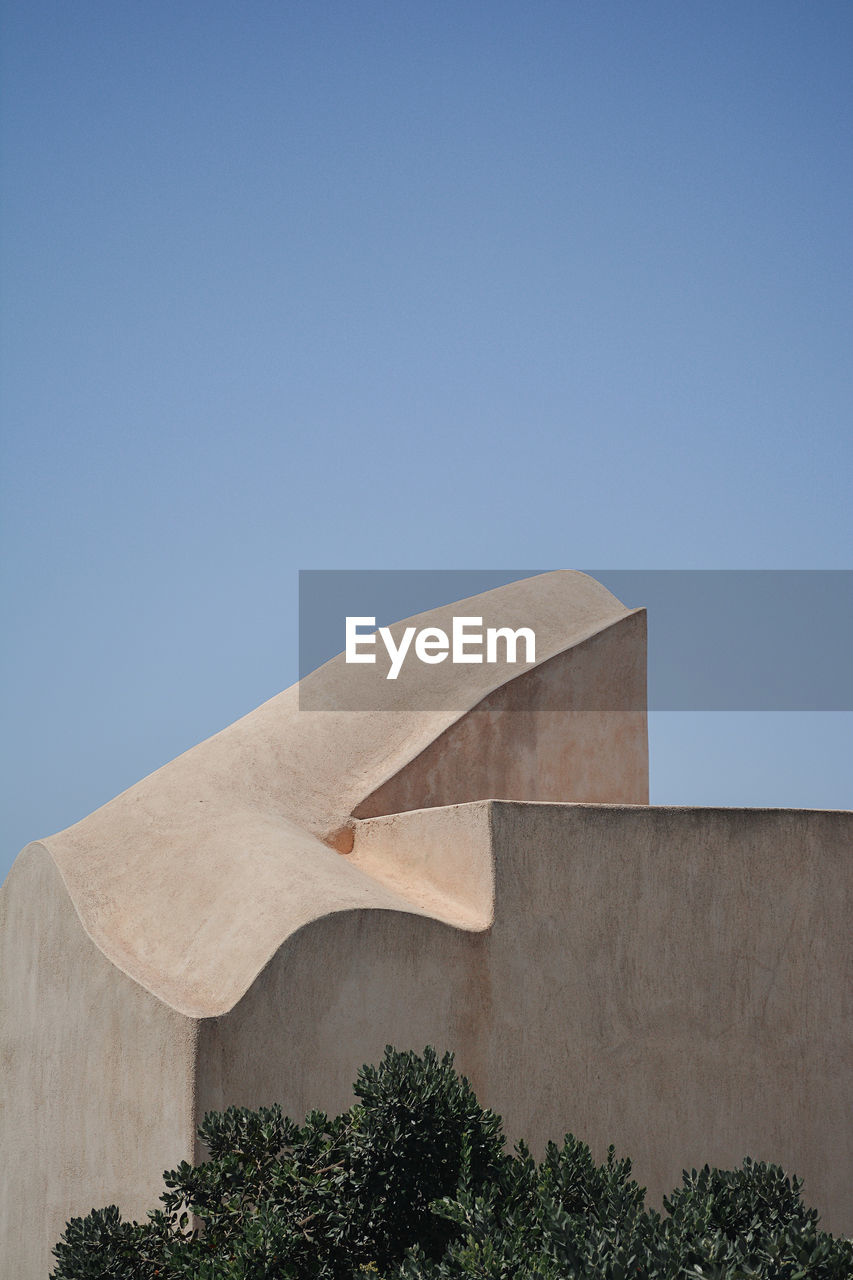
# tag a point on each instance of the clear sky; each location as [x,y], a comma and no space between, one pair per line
[405,285]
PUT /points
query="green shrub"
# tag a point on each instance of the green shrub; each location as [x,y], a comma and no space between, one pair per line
[414,1183]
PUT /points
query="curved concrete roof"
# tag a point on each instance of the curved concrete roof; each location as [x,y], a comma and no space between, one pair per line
[192,879]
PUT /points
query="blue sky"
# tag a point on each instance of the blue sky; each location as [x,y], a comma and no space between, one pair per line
[398,285]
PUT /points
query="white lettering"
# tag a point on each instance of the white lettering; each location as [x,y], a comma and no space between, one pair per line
[394,653]
[461,638]
[354,639]
[511,638]
[432,645]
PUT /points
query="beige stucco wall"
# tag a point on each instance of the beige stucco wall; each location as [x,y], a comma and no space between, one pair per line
[676,981]
[97,1076]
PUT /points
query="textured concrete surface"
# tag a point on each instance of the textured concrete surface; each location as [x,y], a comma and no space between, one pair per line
[192,879]
[676,981]
[97,1091]
[261,916]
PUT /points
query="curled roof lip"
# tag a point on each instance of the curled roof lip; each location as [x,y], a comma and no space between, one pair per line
[192,879]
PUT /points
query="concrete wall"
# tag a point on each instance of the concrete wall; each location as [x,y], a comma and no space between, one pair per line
[676,981]
[97,1077]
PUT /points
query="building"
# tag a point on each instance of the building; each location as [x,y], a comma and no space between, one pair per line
[466,859]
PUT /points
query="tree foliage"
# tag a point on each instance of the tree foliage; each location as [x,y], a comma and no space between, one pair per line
[414,1183]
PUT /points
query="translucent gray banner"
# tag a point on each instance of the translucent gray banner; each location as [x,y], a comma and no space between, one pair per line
[718,639]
